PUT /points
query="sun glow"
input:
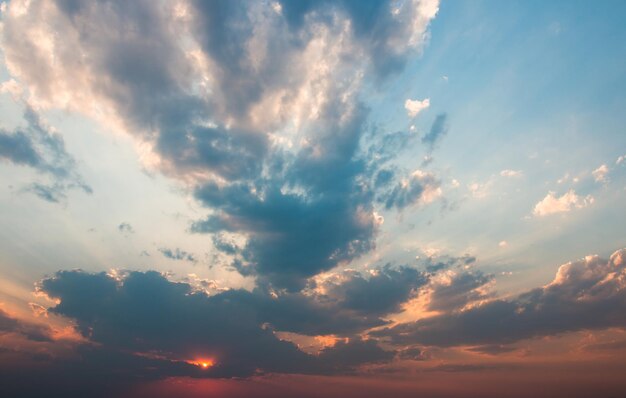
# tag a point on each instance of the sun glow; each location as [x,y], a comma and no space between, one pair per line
[203,363]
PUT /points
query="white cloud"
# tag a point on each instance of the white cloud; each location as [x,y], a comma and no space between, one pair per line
[600,173]
[511,173]
[503,243]
[413,107]
[552,204]
[621,159]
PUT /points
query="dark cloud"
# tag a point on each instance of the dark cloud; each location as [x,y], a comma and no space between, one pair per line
[439,263]
[380,293]
[30,331]
[145,314]
[347,355]
[307,219]
[586,294]
[125,228]
[38,147]
[437,131]
[412,353]
[177,254]
[458,290]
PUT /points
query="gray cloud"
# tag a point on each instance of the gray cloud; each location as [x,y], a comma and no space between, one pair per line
[381,293]
[585,294]
[177,254]
[125,228]
[458,290]
[38,147]
[145,313]
[438,129]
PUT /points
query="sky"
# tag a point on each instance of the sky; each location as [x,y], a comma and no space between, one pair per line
[312,198]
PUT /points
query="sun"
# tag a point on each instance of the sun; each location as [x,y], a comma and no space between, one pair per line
[203,363]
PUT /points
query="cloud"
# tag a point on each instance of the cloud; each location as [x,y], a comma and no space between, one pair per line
[125,228]
[553,204]
[177,254]
[586,294]
[511,173]
[414,107]
[30,331]
[600,174]
[382,293]
[258,110]
[451,290]
[143,315]
[43,150]
[438,129]
[420,187]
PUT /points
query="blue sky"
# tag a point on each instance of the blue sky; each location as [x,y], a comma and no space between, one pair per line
[275,152]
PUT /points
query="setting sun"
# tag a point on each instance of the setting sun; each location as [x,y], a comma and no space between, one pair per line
[203,363]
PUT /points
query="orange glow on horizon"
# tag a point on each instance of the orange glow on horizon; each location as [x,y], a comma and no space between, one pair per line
[203,363]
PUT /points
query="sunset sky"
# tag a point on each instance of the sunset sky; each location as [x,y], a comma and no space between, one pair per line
[312,198]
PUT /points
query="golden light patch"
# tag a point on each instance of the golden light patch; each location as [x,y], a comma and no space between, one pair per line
[203,363]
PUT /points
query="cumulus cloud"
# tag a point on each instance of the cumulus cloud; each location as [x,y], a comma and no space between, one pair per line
[586,294]
[414,107]
[600,174]
[553,204]
[37,146]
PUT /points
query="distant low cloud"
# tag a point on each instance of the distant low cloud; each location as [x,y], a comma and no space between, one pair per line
[414,107]
[144,312]
[586,294]
[553,204]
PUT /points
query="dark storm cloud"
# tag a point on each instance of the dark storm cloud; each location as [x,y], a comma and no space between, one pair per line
[177,254]
[38,147]
[437,131]
[586,294]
